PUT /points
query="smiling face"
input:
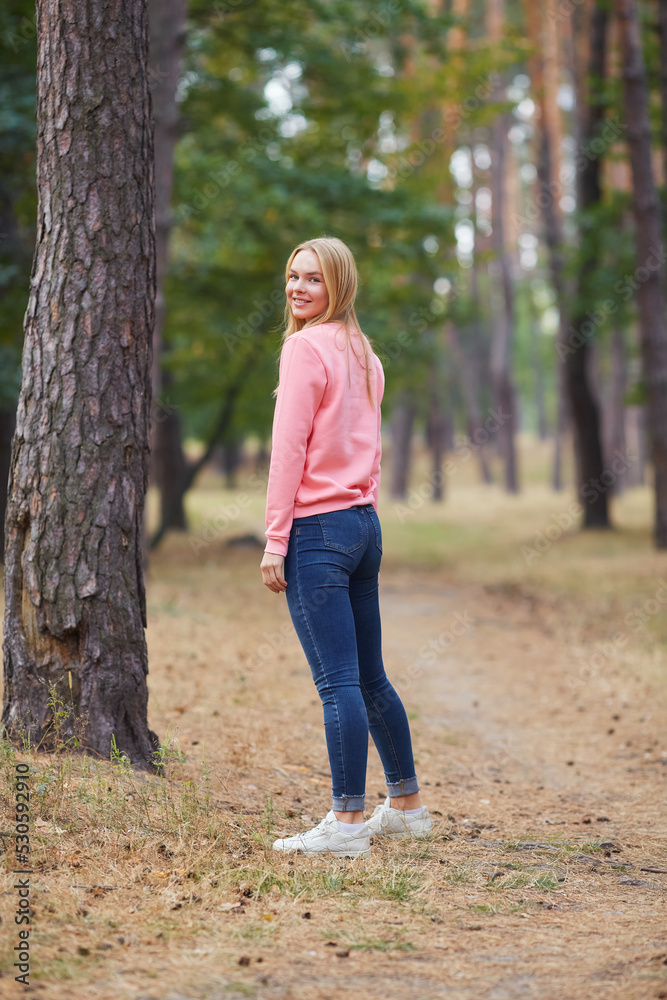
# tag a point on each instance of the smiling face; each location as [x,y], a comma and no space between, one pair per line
[306,292]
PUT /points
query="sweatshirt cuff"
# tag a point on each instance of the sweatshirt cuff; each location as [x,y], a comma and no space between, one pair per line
[276,547]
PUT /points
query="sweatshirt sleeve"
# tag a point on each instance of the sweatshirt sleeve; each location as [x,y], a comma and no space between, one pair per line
[301,384]
[376,473]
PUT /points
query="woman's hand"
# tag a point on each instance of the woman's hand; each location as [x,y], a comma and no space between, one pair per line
[273,572]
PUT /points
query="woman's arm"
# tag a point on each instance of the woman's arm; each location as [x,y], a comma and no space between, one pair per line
[302,382]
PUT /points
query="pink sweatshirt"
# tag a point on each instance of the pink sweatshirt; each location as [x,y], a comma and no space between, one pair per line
[326,444]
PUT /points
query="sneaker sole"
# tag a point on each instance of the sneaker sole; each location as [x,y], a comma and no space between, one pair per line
[318,854]
[404,836]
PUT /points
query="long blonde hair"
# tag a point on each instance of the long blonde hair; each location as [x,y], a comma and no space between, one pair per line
[339,271]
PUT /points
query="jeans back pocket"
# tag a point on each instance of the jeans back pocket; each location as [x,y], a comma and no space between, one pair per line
[342,530]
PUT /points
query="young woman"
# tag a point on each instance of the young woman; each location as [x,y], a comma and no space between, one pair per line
[325,545]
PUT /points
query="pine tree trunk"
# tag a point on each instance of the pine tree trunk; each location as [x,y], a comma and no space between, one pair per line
[662,41]
[477,434]
[616,442]
[168,462]
[635,436]
[437,433]
[167,36]
[402,420]
[503,324]
[75,608]
[574,351]
[649,255]
[538,380]
[544,73]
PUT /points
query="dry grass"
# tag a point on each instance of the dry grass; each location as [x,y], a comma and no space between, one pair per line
[542,758]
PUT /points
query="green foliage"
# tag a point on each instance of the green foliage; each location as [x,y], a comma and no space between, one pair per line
[357,149]
[18,202]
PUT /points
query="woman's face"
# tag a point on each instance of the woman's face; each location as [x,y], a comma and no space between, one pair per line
[306,292]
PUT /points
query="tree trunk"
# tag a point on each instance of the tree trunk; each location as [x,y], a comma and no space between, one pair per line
[615,437]
[544,75]
[166,20]
[402,419]
[649,256]
[574,350]
[662,41]
[437,432]
[477,434]
[75,608]
[169,464]
[635,435]
[538,380]
[7,426]
[503,322]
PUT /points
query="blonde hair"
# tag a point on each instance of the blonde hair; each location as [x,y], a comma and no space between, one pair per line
[339,271]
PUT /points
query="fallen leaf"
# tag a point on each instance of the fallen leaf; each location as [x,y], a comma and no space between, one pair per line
[45,825]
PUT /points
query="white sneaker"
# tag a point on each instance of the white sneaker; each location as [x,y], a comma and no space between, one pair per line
[327,838]
[389,822]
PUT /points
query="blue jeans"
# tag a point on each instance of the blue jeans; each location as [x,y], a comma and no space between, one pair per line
[331,569]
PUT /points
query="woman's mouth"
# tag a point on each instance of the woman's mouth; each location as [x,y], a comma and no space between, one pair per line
[300,302]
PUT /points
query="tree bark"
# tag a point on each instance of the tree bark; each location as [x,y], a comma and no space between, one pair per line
[437,427]
[615,437]
[402,420]
[635,435]
[169,464]
[7,426]
[75,608]
[503,322]
[662,42]
[166,20]
[574,350]
[649,255]
[544,75]
[477,434]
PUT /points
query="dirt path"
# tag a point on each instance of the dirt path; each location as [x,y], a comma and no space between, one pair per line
[545,768]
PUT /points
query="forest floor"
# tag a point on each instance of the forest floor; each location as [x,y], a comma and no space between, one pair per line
[535,682]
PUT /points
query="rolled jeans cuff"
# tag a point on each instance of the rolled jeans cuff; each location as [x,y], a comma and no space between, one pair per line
[407,786]
[348,803]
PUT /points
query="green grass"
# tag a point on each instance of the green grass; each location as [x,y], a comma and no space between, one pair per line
[381,944]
